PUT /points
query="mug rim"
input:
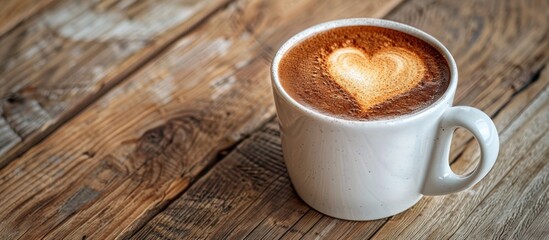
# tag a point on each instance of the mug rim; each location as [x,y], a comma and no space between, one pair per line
[297,38]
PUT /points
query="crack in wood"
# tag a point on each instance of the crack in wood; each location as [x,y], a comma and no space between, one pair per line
[533,79]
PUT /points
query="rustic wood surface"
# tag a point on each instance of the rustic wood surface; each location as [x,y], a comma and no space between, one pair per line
[68,55]
[155,119]
[14,12]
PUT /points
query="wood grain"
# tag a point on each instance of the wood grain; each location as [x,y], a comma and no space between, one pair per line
[248,195]
[59,61]
[538,228]
[114,166]
[508,83]
[255,186]
[13,12]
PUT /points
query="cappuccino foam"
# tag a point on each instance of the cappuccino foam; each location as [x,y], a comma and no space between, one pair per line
[364,73]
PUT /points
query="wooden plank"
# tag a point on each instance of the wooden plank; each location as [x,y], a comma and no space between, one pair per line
[523,151]
[118,163]
[538,228]
[509,79]
[521,195]
[248,195]
[62,59]
[14,12]
[330,228]
[254,187]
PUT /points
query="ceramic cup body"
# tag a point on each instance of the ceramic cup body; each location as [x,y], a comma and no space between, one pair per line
[365,170]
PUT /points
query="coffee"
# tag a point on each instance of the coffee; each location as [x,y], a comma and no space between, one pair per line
[364,73]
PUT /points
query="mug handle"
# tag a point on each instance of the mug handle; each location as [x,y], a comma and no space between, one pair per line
[440,178]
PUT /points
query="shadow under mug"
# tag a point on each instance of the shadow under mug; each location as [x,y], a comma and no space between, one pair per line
[365,170]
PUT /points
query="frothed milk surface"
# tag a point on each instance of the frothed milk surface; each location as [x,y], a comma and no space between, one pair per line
[364,73]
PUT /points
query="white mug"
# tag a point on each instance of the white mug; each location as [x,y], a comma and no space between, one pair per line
[365,170]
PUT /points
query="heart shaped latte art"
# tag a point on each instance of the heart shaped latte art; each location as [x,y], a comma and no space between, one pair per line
[372,80]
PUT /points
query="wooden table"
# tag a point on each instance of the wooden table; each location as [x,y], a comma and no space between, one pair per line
[155,119]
